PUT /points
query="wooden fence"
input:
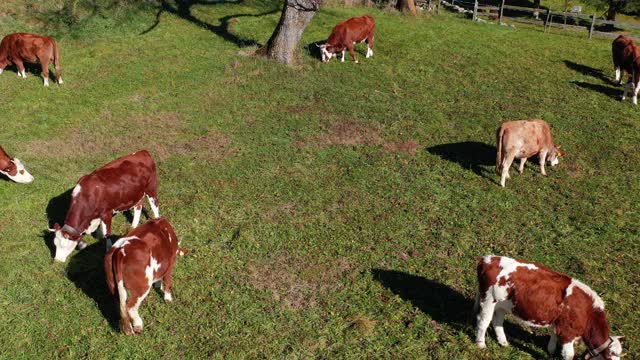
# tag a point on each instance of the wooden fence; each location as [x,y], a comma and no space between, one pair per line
[551,18]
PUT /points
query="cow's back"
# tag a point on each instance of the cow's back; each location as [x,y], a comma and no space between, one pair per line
[351,30]
[531,135]
[160,242]
[25,46]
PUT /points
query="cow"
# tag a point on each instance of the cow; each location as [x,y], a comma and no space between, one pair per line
[117,186]
[626,58]
[522,139]
[13,168]
[541,297]
[145,255]
[346,34]
[18,48]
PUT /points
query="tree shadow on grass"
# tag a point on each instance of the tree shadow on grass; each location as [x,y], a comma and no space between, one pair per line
[468,154]
[614,93]
[182,9]
[86,272]
[589,71]
[448,306]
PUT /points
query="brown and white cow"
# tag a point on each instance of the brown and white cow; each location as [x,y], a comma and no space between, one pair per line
[145,255]
[541,297]
[626,57]
[117,186]
[13,168]
[346,34]
[522,139]
[18,48]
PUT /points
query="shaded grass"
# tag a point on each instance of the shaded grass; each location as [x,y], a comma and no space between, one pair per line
[309,184]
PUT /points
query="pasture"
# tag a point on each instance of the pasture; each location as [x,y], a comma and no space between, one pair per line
[331,210]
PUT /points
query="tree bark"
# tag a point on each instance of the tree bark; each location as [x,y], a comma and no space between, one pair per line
[407,6]
[612,12]
[295,17]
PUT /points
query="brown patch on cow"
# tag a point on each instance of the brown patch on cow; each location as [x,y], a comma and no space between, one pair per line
[294,282]
[162,133]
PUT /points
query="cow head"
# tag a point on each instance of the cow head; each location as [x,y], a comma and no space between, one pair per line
[554,155]
[14,170]
[66,239]
[615,348]
[611,350]
[328,51]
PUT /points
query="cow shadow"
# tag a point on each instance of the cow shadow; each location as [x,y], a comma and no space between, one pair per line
[589,71]
[468,154]
[86,272]
[614,93]
[30,68]
[182,9]
[313,50]
[446,305]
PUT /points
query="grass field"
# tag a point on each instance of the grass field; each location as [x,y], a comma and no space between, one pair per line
[332,211]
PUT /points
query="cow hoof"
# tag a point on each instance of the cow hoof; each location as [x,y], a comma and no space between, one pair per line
[60,81]
[503,343]
[137,329]
[482,345]
[168,298]
[357,62]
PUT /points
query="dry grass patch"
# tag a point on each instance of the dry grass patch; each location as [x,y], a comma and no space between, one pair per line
[163,134]
[295,283]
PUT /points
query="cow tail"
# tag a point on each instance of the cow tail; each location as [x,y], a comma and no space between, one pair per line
[113,272]
[56,60]
[499,134]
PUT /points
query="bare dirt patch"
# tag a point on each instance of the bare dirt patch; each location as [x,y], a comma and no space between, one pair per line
[294,282]
[355,133]
[162,133]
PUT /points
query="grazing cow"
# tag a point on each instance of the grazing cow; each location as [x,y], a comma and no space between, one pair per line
[542,298]
[145,255]
[626,57]
[18,48]
[521,140]
[117,186]
[346,34]
[13,168]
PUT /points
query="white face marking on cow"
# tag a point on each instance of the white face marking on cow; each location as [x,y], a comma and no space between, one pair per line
[22,175]
[64,246]
[93,225]
[555,161]
[597,301]
[326,55]
[615,349]
[567,349]
[76,190]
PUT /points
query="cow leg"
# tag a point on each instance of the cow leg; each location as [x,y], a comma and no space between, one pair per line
[553,342]
[352,52]
[44,65]
[342,60]
[505,169]
[133,304]
[543,160]
[369,46]
[166,284]
[626,90]
[20,66]
[635,93]
[522,161]
[498,320]
[137,210]
[618,75]
[483,320]
[153,202]
[105,228]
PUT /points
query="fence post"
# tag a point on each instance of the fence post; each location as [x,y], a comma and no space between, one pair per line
[593,24]
[438,8]
[546,21]
[475,10]
[501,9]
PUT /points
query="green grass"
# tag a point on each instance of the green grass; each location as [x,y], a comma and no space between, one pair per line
[312,235]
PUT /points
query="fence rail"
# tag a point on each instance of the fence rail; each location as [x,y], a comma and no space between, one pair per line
[589,22]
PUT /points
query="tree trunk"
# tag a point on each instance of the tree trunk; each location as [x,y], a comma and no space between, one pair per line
[295,17]
[407,6]
[611,13]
